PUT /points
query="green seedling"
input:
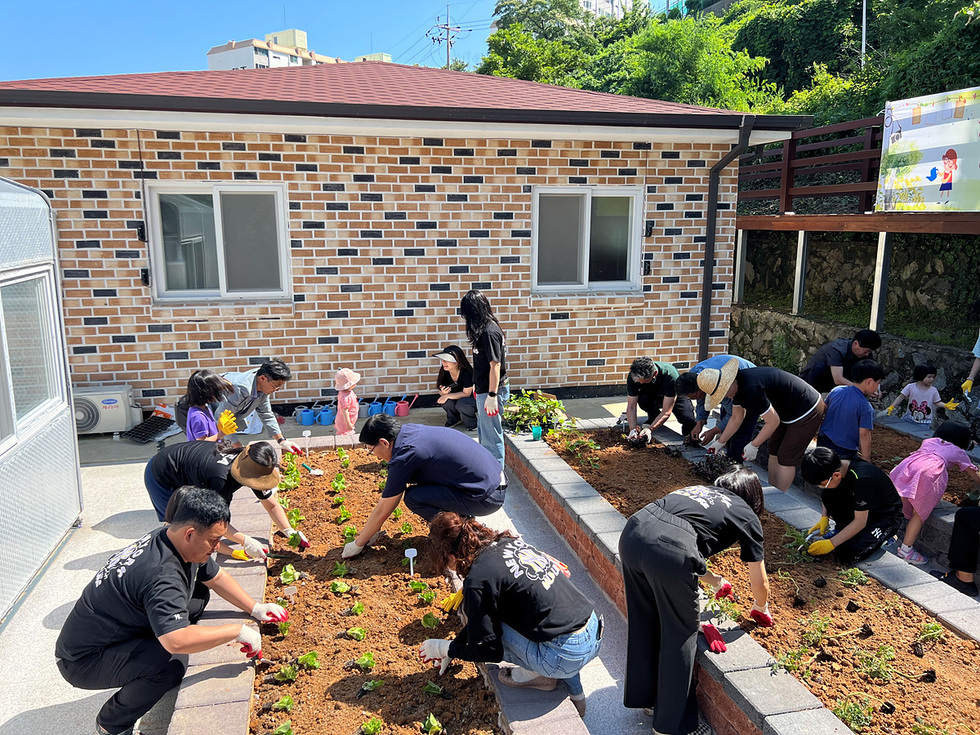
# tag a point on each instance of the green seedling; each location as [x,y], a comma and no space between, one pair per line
[340,569]
[397,513]
[432,726]
[931,632]
[877,665]
[814,630]
[288,574]
[432,688]
[338,500]
[290,476]
[853,577]
[796,547]
[357,608]
[345,515]
[406,528]
[722,608]
[283,628]
[285,728]
[383,472]
[417,585]
[309,660]
[405,562]
[338,484]
[339,587]
[372,685]
[428,596]
[283,501]
[358,634]
[791,660]
[295,540]
[344,458]
[287,673]
[382,484]
[372,726]
[365,662]
[350,533]
[282,602]
[855,714]
[430,621]
[285,704]
[295,517]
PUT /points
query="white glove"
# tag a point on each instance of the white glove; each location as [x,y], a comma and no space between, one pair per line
[303,542]
[436,649]
[288,446]
[269,612]
[715,447]
[251,642]
[253,548]
[750,452]
[351,549]
[634,434]
[646,433]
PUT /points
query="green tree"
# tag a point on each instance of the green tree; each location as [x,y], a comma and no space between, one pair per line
[514,53]
[543,19]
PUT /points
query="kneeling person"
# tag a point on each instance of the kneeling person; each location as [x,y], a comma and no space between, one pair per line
[141,608]
[434,468]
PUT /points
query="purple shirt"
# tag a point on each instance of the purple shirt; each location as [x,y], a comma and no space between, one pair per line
[200,423]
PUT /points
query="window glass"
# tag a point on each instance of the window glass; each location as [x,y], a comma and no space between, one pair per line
[189,249]
[559,225]
[28,324]
[250,233]
[609,244]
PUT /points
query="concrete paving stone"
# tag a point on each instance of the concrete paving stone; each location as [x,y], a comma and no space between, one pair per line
[227,654]
[808,722]
[609,521]
[760,693]
[549,464]
[896,573]
[608,545]
[778,502]
[554,477]
[965,622]
[216,719]
[532,449]
[938,597]
[217,684]
[565,491]
[800,518]
[579,507]
[743,651]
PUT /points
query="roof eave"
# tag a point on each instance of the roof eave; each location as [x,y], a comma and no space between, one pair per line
[110,101]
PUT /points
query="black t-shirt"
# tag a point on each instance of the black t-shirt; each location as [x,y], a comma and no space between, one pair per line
[200,464]
[864,487]
[719,518]
[465,380]
[141,592]
[662,386]
[762,387]
[435,455]
[489,348]
[833,354]
[512,582]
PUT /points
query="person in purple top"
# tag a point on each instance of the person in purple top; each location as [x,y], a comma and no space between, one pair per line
[203,388]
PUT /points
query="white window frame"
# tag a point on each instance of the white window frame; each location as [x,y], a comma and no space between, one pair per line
[632,283]
[12,430]
[158,266]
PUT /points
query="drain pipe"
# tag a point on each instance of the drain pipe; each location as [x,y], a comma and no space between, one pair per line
[714,178]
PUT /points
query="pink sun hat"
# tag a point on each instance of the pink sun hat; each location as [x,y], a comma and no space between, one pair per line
[346,379]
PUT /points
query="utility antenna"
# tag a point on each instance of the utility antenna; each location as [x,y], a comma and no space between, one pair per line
[451,32]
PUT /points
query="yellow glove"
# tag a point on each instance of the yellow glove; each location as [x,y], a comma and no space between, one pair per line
[889,410]
[227,423]
[950,405]
[822,525]
[452,602]
[819,548]
[967,385]
[239,554]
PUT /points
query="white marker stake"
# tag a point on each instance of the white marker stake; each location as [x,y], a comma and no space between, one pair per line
[411,554]
[306,435]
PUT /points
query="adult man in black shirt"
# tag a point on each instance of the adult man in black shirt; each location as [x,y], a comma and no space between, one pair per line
[861,500]
[650,385]
[141,608]
[831,365]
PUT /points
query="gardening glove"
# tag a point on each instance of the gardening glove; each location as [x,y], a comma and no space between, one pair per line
[750,452]
[254,549]
[452,602]
[270,612]
[950,405]
[239,554]
[287,446]
[436,649]
[723,589]
[634,434]
[490,406]
[716,644]
[715,447]
[351,549]
[822,525]
[821,547]
[251,642]
[226,422]
[890,410]
[761,615]
[292,532]
[646,434]
[967,386]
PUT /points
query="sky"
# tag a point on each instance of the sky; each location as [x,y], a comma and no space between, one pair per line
[63,38]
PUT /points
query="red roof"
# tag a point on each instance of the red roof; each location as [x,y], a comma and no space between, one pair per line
[333,88]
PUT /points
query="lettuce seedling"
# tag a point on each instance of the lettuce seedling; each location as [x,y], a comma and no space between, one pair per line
[344,459]
[288,574]
[357,608]
[382,483]
[339,484]
[350,533]
[339,587]
[365,662]
[432,726]
[287,673]
[370,686]
[309,660]
[417,585]
[340,569]
[285,704]
[295,540]
[405,561]
[358,634]
[427,597]
[283,501]
[283,628]
[345,515]
[295,517]
[432,688]
[338,500]
[282,602]
[406,527]
[430,621]
[372,726]
[285,728]
[397,513]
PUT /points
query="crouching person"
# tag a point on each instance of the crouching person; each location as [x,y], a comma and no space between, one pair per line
[141,609]
[519,606]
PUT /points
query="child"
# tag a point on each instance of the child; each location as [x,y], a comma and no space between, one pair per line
[922,396]
[849,419]
[346,401]
[204,388]
[921,479]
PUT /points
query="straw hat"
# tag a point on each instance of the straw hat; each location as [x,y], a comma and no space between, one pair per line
[715,383]
[251,474]
[346,379]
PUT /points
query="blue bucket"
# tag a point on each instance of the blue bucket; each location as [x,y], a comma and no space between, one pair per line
[307,417]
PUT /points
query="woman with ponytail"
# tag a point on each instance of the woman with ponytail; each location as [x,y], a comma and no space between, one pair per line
[489,370]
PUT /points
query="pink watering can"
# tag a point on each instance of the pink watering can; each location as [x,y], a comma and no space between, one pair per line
[402,407]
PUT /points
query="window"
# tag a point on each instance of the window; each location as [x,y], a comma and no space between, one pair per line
[587,238]
[218,241]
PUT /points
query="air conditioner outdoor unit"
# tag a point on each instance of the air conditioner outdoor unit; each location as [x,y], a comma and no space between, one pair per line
[105,409]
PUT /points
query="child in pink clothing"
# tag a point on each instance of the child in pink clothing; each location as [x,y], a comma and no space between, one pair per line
[921,479]
[346,401]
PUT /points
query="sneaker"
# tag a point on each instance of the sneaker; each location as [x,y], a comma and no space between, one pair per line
[648,711]
[99,730]
[579,703]
[450,423]
[912,556]
[471,428]
[541,683]
[967,588]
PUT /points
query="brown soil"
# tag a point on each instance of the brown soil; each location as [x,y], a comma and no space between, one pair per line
[889,447]
[832,667]
[326,700]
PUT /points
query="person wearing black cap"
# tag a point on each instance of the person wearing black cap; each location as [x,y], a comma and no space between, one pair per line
[206,464]
[831,365]
[455,384]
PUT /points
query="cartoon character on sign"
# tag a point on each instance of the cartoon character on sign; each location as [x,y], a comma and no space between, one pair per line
[949,165]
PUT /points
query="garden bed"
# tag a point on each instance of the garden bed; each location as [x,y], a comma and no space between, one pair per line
[329,700]
[820,609]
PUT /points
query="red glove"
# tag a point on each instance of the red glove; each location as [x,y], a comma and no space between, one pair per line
[251,642]
[724,589]
[761,616]
[716,644]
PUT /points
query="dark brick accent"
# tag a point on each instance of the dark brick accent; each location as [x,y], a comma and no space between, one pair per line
[327,270]
[459,269]
[333,187]
[99,143]
[682,365]
[694,197]
[294,138]
[104,293]
[578,162]
[313,225]
[682,256]
[689,294]
[479,233]
[520,233]
[627,172]
[416,354]
[577,180]
[49,193]
[724,205]
[403,312]
[354,150]
[4,162]
[409,160]
[122,254]
[214,345]
[671,279]
[416,304]
[641,146]
[256,360]
[700,238]
[503,215]
[673,231]
[153,175]
[697,214]
[647,288]
[363,178]
[506,259]
[245,176]
[526,188]
[506,152]
[425,188]
[413,252]
[351,288]
[230,146]
[347,252]
[88,243]
[367,196]
[95,194]
[670,154]
[307,167]
[555,316]
[84,350]
[463,152]
[169,155]
[608,154]
[295,243]
[472,179]
[541,144]
[88,133]
[442,169]
[208,165]
[75,274]
[95,214]
[697,163]
[118,339]
[337,206]
[340,314]
[651,189]
[481,285]
[371,234]
[664,207]
[435,142]
[382,261]
[270,157]
[446,243]
[457,197]
[526,171]
[646,335]
[66,174]
[327,340]
[299,297]
[426,225]
[159,328]
[153,392]
[178,356]
[673,179]
[439,286]
[717,286]
[395,215]
[595,362]
[62,153]
[95,321]
[168,135]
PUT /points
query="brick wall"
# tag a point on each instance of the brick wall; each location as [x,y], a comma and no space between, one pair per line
[387,231]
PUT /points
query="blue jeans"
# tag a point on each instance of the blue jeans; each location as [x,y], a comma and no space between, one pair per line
[560,658]
[489,430]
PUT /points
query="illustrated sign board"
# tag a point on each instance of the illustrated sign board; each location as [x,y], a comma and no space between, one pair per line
[930,158]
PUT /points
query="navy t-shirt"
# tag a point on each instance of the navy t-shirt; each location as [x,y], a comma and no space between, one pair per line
[764,387]
[833,354]
[435,455]
[719,518]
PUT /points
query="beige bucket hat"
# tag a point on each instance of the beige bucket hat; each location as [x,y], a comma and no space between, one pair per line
[715,383]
